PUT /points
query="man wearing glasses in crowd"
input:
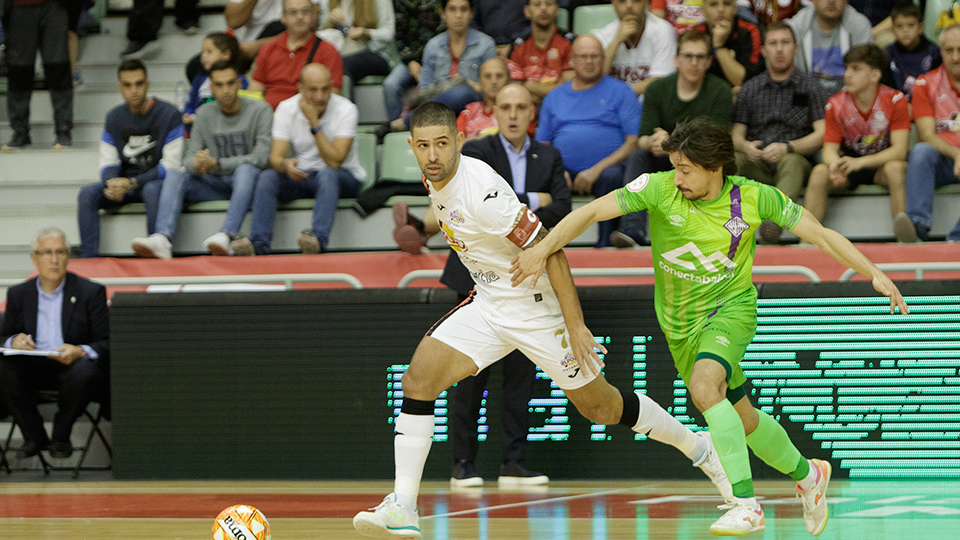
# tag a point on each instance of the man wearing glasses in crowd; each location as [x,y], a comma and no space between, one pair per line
[65,314]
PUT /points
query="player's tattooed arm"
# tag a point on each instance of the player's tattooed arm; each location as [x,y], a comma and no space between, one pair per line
[541,234]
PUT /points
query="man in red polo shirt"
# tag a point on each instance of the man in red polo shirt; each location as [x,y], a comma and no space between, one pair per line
[280,61]
[542,61]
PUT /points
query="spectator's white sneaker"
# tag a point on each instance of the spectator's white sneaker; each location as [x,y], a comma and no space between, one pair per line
[740,519]
[711,466]
[815,512]
[218,244]
[389,519]
[155,246]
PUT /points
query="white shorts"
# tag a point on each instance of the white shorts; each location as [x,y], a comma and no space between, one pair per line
[468,330]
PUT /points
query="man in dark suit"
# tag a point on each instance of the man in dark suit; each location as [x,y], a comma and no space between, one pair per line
[536,172]
[61,312]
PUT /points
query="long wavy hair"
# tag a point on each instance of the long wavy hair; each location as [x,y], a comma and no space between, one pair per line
[703,143]
[364,12]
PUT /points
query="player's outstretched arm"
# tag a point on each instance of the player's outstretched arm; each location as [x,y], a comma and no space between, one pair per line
[844,252]
[532,261]
[581,338]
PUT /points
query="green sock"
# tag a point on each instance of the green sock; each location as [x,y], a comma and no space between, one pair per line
[771,443]
[729,440]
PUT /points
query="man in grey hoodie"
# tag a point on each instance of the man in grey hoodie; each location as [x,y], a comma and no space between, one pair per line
[825,32]
[229,147]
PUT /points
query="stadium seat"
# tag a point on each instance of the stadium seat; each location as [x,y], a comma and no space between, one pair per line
[563,20]
[367,152]
[368,95]
[586,19]
[398,162]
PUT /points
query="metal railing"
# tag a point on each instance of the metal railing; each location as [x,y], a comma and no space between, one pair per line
[287,279]
[917,268]
[625,272]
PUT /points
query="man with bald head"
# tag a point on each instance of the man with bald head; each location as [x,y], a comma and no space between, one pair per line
[597,108]
[535,171]
[320,126]
[477,119]
[935,160]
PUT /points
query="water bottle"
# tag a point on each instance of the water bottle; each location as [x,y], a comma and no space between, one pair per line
[181,95]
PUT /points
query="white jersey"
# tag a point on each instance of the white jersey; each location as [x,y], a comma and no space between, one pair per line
[652,57]
[487,226]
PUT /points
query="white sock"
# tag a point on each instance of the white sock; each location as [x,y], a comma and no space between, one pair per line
[699,452]
[749,501]
[411,446]
[811,479]
[660,426]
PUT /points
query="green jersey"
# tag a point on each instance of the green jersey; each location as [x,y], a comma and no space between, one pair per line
[703,250]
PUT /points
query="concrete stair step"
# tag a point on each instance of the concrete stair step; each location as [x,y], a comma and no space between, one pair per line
[43,136]
[88,107]
[37,166]
[175,46]
[105,72]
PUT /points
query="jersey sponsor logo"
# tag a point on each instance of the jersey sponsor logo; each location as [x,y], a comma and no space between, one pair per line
[138,144]
[706,262]
[456,216]
[448,235]
[677,220]
[639,183]
[570,365]
[736,226]
[491,195]
[487,277]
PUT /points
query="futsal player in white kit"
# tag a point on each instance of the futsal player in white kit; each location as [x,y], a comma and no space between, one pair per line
[484,222]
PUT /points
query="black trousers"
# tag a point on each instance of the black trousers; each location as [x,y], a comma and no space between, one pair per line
[519,374]
[146,17]
[77,384]
[30,28]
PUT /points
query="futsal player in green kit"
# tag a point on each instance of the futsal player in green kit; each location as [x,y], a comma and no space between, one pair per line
[703,222]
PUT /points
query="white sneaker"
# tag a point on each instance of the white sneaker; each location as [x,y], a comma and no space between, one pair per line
[155,246]
[711,466]
[815,512]
[389,519]
[218,244]
[740,519]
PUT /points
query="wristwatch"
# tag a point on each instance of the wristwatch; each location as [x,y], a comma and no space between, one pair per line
[315,130]
[789,147]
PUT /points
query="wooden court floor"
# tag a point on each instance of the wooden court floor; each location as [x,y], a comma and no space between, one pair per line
[638,510]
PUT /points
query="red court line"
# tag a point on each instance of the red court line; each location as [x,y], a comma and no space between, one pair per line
[187,506]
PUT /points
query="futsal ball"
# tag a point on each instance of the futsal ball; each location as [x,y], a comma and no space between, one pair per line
[241,522]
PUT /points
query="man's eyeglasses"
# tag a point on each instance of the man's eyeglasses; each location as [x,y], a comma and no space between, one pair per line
[691,57]
[49,253]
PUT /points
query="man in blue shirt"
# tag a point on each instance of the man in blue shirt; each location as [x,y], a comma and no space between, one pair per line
[63,313]
[596,108]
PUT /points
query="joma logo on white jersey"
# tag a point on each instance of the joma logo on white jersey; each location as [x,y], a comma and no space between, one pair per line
[707,262]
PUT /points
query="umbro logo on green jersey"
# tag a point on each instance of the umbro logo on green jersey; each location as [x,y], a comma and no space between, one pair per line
[676,220]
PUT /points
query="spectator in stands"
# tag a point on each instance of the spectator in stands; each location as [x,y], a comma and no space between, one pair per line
[535,170]
[141,145]
[504,21]
[778,122]
[638,48]
[216,47]
[935,160]
[145,20]
[771,11]
[825,32]
[682,14]
[879,12]
[866,130]
[451,62]
[912,54]
[279,62]
[478,119]
[229,147]
[688,93]
[254,23]
[596,108]
[541,62]
[364,30]
[55,311]
[735,43]
[33,25]
[417,22]
[321,129]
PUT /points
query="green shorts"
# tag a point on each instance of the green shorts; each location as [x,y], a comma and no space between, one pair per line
[723,338]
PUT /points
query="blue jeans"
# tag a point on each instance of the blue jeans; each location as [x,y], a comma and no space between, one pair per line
[610,179]
[325,187]
[91,200]
[395,87]
[927,169]
[238,188]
